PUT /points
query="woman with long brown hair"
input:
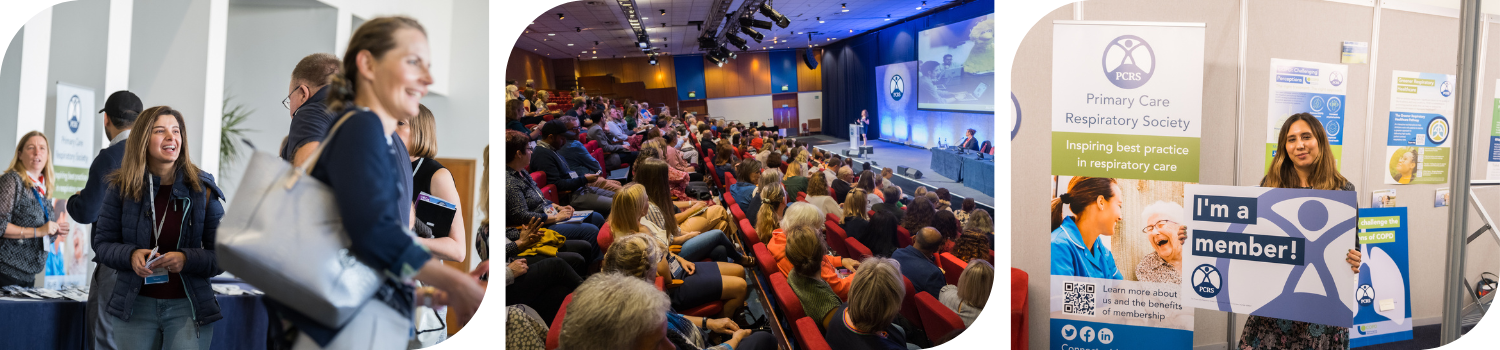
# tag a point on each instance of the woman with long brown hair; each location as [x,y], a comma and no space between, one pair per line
[1096,204]
[24,192]
[698,228]
[161,294]
[773,201]
[1304,159]
[703,282]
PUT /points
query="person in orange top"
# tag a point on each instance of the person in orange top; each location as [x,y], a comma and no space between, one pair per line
[803,214]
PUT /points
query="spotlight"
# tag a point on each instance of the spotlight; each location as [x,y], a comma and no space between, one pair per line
[596,43]
[753,34]
[559,16]
[820,19]
[766,10]
[737,41]
[653,61]
[703,42]
[924,4]
[715,60]
[551,34]
[844,6]
[752,22]
[578,29]
[887,17]
[664,12]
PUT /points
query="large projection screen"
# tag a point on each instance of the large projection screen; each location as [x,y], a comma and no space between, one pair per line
[956,66]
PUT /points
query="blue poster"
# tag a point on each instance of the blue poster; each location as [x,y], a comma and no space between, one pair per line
[1273,252]
[1384,292]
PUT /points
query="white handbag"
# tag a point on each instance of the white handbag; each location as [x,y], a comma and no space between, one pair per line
[282,233]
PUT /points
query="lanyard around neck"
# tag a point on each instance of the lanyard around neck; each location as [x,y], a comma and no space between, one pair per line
[156,225]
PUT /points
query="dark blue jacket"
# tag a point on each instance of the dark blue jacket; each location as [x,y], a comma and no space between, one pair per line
[579,159]
[309,124]
[744,195]
[125,225]
[921,269]
[84,206]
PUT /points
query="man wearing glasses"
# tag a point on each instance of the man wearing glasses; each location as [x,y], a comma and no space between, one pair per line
[1164,263]
[304,100]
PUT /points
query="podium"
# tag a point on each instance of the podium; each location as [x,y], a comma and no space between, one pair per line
[855,131]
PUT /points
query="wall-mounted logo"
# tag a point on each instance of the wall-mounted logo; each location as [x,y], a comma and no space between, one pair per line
[1336,78]
[1207,281]
[75,108]
[1129,62]
[1437,130]
[1317,104]
[1446,89]
[1332,126]
[898,87]
[1334,104]
[1365,295]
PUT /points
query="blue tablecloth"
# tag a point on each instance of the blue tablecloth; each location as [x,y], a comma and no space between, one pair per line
[59,324]
[947,164]
[979,174]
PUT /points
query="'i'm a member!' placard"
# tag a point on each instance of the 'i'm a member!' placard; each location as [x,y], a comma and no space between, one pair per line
[1271,252]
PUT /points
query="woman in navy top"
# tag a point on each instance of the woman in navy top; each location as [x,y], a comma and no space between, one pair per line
[866,320]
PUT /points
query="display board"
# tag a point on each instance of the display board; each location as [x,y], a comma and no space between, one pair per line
[1319,89]
[1419,128]
[69,260]
[1384,292]
[1273,252]
[956,66]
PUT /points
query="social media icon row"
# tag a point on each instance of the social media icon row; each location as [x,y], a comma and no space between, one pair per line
[1087,334]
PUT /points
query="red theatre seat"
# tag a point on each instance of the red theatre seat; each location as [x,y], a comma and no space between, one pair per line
[540,178]
[952,267]
[557,321]
[857,250]
[831,216]
[728,179]
[809,336]
[909,303]
[592,145]
[904,238]
[604,238]
[764,258]
[714,308]
[835,236]
[940,322]
[749,231]
[1018,314]
[789,302]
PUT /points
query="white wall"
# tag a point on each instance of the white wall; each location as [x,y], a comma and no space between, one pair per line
[10,87]
[744,109]
[810,105]
[437,19]
[79,41]
[169,61]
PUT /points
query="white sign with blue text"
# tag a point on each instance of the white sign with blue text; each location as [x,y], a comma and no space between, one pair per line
[1270,252]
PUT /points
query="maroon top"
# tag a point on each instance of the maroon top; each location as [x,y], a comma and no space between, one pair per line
[171,230]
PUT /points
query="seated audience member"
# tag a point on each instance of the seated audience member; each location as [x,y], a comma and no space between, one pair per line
[919,261]
[885,177]
[621,311]
[797,215]
[695,226]
[920,192]
[892,204]
[773,202]
[545,159]
[963,211]
[578,157]
[806,251]
[616,149]
[975,242]
[872,196]
[943,197]
[524,328]
[918,215]
[817,194]
[540,281]
[513,114]
[674,154]
[677,181]
[841,184]
[880,235]
[524,202]
[639,254]
[854,217]
[685,146]
[973,289]
[724,159]
[796,176]
[866,321]
[744,191]
[948,225]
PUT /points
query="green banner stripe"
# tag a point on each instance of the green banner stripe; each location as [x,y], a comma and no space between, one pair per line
[1164,158]
[1377,237]
[1380,222]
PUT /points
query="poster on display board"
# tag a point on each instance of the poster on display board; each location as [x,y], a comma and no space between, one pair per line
[1274,252]
[1319,89]
[1384,291]
[1494,163]
[1126,112]
[69,259]
[1417,144]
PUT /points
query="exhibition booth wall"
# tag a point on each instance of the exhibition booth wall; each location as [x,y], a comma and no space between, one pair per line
[1241,40]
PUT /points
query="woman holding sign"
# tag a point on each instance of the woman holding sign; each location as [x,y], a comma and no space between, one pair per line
[1303,160]
[156,229]
[1096,204]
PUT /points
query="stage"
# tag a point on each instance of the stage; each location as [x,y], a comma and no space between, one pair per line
[889,154]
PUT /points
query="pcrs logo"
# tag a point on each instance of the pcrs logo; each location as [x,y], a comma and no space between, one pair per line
[1207,281]
[1336,78]
[898,87]
[1447,88]
[1437,130]
[1365,295]
[1129,62]
[75,108]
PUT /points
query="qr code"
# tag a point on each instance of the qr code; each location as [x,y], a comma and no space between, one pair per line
[1078,298]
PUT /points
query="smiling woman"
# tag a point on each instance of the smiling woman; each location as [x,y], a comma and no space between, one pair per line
[23,190]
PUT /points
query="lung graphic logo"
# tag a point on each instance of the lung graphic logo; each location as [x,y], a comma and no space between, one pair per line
[1365,295]
[898,87]
[1069,332]
[1336,78]
[1129,62]
[75,107]
[1437,130]
[1447,89]
[1207,280]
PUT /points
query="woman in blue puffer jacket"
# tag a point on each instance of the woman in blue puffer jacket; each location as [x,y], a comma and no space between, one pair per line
[157,229]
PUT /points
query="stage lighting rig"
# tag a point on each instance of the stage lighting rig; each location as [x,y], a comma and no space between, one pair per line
[737,41]
[766,10]
[748,21]
[753,34]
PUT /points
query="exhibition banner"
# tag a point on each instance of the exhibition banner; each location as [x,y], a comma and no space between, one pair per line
[69,260]
[1494,163]
[1384,291]
[1126,134]
[1316,88]
[1127,99]
[1417,136]
[1271,252]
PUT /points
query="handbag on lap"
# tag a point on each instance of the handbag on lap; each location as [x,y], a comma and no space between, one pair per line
[283,234]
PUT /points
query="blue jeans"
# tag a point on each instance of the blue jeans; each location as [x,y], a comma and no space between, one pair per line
[161,324]
[588,230]
[713,245]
